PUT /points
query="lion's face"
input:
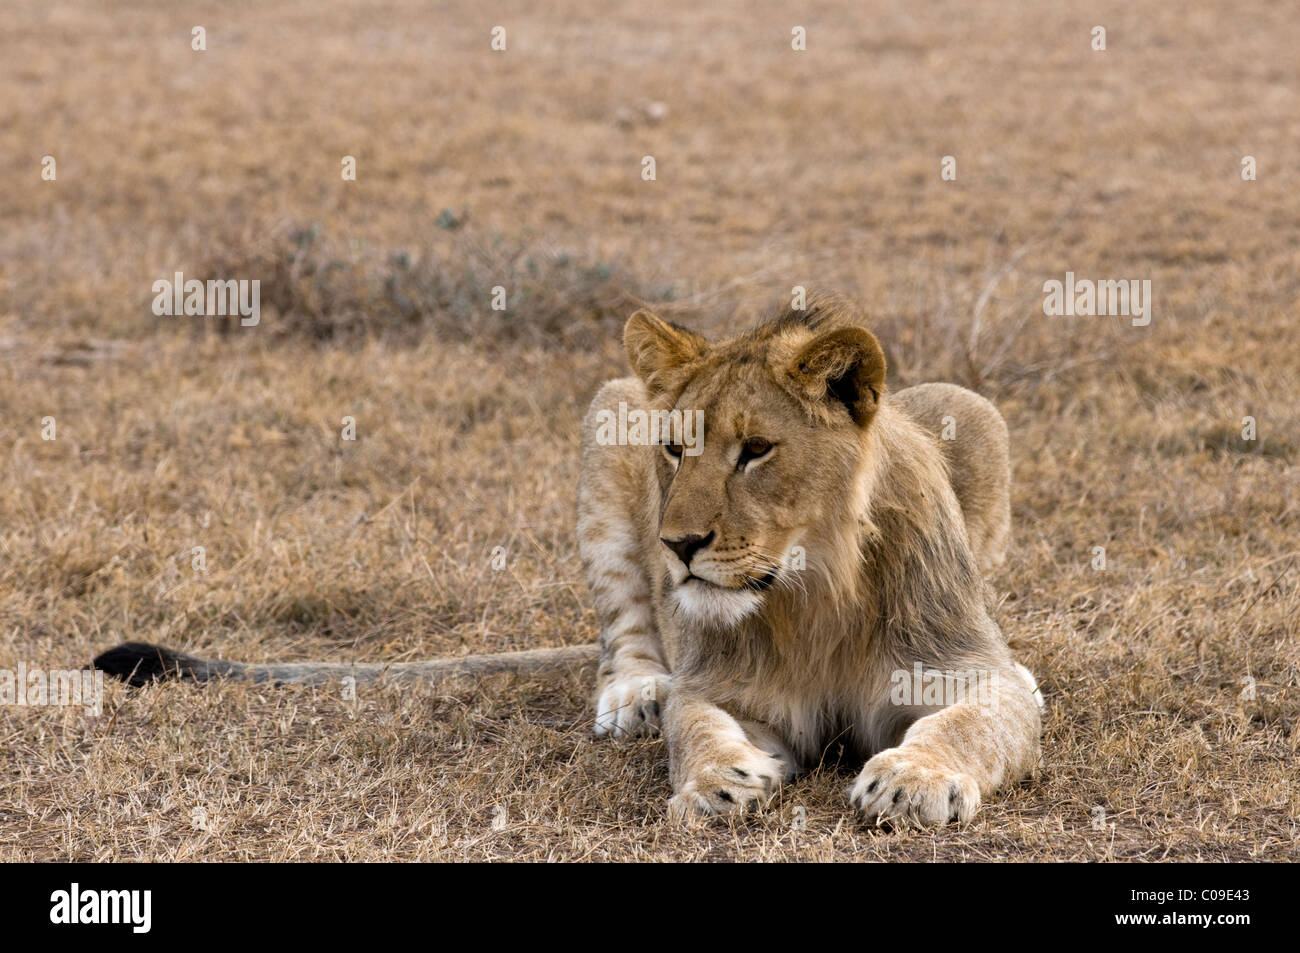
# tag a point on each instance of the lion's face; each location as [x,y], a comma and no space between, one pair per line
[783,419]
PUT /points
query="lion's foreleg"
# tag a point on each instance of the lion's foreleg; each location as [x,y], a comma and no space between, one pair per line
[716,765]
[949,760]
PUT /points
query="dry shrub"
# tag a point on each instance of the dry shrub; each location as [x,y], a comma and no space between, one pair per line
[319,287]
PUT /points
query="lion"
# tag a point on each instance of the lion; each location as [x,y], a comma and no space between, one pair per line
[753,661]
[785,559]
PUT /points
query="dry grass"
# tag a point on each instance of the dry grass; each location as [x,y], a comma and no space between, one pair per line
[775,169]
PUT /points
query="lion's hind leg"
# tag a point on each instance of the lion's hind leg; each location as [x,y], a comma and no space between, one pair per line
[632,679]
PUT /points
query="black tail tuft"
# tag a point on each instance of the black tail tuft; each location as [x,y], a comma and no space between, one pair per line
[139,663]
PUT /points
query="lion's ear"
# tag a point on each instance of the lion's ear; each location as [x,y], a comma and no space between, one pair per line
[654,345]
[845,365]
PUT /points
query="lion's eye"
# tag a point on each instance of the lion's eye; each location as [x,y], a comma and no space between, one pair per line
[752,449]
[673,450]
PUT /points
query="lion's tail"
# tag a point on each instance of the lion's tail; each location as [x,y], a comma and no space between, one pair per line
[139,663]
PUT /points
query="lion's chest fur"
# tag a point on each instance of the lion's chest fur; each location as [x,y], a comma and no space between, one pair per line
[817,677]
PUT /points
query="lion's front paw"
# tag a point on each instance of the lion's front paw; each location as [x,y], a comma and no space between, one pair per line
[730,780]
[629,707]
[913,785]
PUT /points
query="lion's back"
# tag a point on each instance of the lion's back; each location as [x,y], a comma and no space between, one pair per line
[972,436]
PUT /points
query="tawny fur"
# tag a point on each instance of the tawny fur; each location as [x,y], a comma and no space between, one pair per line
[771,664]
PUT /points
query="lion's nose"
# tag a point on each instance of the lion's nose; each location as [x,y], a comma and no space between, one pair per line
[687,546]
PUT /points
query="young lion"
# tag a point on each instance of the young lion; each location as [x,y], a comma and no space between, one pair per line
[802,571]
[786,582]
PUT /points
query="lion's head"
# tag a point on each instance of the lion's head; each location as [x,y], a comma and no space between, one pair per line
[775,485]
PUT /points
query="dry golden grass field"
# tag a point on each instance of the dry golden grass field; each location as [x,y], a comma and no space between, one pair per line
[1172,676]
